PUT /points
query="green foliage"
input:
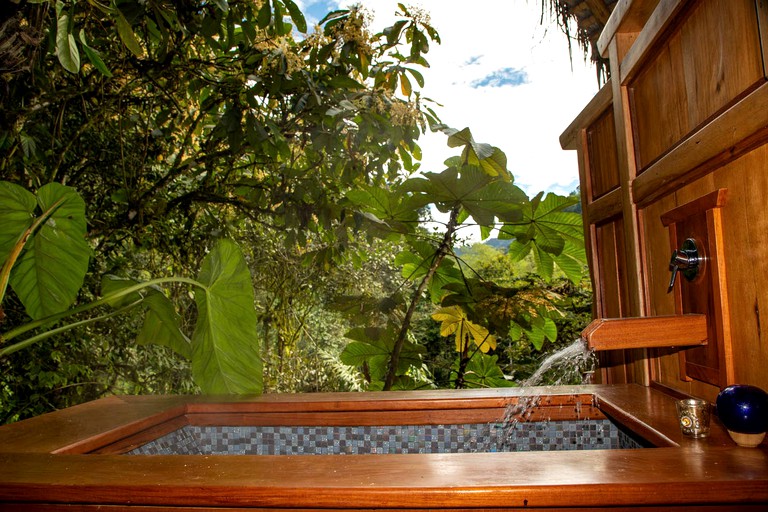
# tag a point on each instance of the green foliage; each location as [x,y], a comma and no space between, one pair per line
[372,348]
[51,228]
[225,357]
[183,123]
[180,124]
[475,187]
[161,322]
[481,371]
[551,233]
[455,322]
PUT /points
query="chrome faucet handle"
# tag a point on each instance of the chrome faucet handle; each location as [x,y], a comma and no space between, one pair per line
[685,259]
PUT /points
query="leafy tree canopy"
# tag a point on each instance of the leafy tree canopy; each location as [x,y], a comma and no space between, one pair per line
[183,123]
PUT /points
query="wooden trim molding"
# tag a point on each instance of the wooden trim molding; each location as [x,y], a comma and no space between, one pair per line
[663,17]
[627,17]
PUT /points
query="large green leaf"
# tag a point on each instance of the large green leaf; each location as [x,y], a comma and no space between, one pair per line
[482,371]
[454,322]
[127,36]
[484,197]
[161,324]
[572,261]
[388,209]
[51,269]
[66,47]
[490,159]
[17,211]
[554,235]
[94,57]
[374,346]
[225,349]
[541,328]
[296,15]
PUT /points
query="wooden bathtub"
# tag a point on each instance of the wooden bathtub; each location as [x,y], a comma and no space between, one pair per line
[72,459]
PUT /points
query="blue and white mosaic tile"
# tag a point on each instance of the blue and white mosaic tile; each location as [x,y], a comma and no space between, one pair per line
[351,440]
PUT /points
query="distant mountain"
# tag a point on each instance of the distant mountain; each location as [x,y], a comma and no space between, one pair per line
[499,245]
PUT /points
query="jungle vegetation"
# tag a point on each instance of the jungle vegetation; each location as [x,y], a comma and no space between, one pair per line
[211,196]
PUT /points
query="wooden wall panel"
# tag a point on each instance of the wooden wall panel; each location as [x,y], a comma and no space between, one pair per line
[745,238]
[710,61]
[745,220]
[658,105]
[603,157]
[609,240]
[664,363]
[612,299]
[688,92]
[721,57]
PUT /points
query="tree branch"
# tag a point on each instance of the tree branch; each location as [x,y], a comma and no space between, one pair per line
[442,251]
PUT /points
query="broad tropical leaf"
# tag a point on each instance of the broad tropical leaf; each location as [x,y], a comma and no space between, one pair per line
[454,321]
[483,371]
[389,210]
[225,349]
[374,346]
[94,57]
[553,235]
[51,269]
[161,322]
[17,211]
[490,159]
[127,36]
[296,15]
[572,261]
[484,197]
[541,328]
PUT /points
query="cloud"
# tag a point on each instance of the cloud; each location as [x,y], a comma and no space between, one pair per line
[501,78]
[474,60]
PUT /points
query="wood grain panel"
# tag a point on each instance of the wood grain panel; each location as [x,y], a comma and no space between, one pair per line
[610,249]
[603,156]
[708,63]
[596,478]
[685,473]
[735,132]
[655,240]
[88,426]
[647,331]
[658,104]
[745,226]
[611,296]
[721,56]
[697,296]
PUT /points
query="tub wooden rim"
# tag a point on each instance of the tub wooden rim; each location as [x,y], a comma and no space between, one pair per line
[708,471]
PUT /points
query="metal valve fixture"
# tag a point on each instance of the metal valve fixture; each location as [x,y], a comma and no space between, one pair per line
[685,260]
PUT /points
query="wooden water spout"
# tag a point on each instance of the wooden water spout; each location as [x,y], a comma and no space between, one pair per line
[646,332]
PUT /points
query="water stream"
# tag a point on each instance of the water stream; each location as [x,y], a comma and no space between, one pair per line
[573,364]
[569,365]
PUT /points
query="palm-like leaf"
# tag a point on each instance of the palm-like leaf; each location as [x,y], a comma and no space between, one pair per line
[552,234]
[454,322]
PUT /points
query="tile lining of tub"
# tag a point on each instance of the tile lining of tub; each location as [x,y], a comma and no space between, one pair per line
[355,440]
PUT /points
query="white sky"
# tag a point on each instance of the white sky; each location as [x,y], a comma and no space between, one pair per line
[480,37]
